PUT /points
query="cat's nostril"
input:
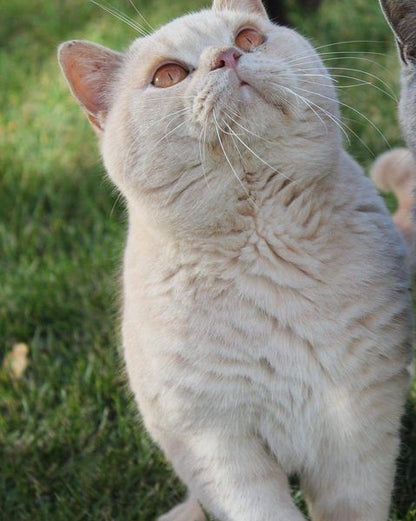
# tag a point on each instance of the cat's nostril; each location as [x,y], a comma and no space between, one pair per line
[228,58]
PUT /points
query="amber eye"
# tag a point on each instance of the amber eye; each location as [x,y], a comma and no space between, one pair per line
[249,39]
[169,75]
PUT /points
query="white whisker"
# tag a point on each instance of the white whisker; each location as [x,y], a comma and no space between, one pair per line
[202,156]
[170,115]
[347,57]
[257,156]
[141,16]
[217,128]
[340,124]
[360,82]
[311,106]
[121,16]
[247,130]
[336,55]
[312,53]
[354,110]
[351,69]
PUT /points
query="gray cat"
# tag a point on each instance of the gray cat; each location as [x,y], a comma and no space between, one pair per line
[401,15]
[395,170]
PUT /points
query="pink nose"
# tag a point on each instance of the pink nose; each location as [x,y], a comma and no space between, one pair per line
[228,58]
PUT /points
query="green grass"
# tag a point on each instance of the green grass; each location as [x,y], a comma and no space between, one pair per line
[71,444]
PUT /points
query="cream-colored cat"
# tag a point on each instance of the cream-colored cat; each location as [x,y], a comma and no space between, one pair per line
[266,315]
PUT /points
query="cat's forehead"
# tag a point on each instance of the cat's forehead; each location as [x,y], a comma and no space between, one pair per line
[193,32]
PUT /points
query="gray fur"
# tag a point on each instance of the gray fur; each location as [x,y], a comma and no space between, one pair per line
[401,16]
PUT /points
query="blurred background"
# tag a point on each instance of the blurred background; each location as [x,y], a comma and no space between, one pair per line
[71,443]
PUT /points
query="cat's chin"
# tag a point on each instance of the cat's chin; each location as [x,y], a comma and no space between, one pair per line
[247,93]
[254,100]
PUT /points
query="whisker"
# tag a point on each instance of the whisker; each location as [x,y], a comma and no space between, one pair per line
[336,55]
[118,197]
[312,53]
[348,42]
[359,83]
[354,110]
[126,159]
[339,123]
[310,104]
[366,73]
[170,115]
[217,127]
[159,98]
[352,69]
[120,16]
[347,57]
[141,16]
[256,155]
[165,136]
[202,144]
[232,134]
[229,112]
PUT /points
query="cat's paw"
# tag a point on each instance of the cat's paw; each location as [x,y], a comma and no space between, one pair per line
[190,510]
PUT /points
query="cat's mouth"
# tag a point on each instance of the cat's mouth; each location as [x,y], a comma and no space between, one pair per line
[244,84]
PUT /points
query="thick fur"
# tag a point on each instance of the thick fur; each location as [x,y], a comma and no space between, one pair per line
[401,15]
[266,316]
[395,171]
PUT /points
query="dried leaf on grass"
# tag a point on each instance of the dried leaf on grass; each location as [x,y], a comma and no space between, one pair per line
[16,361]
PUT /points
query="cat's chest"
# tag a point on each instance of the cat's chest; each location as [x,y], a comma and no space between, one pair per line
[267,317]
[262,290]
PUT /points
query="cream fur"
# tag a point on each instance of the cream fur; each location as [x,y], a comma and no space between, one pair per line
[395,171]
[266,316]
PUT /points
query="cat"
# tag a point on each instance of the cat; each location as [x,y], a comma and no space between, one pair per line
[401,16]
[395,171]
[266,312]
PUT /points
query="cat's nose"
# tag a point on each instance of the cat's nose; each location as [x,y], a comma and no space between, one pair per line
[226,58]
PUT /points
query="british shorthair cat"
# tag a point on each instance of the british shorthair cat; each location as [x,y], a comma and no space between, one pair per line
[266,309]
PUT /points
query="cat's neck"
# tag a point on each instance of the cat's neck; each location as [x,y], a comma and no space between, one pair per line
[262,197]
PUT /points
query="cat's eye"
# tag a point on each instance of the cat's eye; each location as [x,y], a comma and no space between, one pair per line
[249,39]
[168,75]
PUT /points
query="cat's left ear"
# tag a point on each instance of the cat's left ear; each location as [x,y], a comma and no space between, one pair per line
[90,71]
[401,16]
[248,6]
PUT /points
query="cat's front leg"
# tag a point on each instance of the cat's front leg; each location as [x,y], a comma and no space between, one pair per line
[353,486]
[189,510]
[233,476]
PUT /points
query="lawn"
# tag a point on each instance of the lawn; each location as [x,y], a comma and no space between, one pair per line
[71,444]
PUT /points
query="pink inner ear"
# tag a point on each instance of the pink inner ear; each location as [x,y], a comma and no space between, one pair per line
[90,70]
[85,89]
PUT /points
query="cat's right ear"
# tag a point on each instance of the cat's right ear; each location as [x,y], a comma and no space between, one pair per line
[401,16]
[90,71]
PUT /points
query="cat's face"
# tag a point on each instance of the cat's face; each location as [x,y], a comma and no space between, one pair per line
[401,15]
[191,109]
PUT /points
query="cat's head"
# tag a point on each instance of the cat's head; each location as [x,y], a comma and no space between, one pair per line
[187,112]
[401,15]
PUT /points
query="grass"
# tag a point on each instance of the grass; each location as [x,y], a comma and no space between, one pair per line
[71,445]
